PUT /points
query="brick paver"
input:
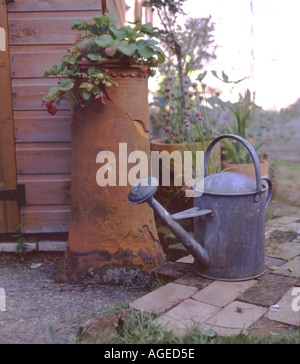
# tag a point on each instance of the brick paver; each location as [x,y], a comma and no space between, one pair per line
[268,290]
[184,316]
[193,279]
[287,250]
[237,315]
[290,268]
[164,298]
[288,313]
[284,220]
[221,294]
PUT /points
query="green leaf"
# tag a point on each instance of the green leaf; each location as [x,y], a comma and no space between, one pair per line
[93,72]
[147,28]
[128,50]
[128,31]
[83,85]
[95,57]
[144,50]
[161,58]
[53,90]
[104,40]
[86,95]
[95,90]
[117,33]
[67,84]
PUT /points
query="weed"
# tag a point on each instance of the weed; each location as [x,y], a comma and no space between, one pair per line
[21,241]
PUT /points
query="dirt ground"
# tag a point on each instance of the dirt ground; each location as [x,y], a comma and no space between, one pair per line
[40,310]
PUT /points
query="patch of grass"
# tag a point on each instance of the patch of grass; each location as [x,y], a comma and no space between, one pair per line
[273,214]
[141,328]
[287,164]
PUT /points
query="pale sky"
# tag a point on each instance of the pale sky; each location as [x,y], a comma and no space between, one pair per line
[260,39]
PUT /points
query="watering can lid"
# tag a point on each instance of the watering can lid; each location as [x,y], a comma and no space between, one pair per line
[229,183]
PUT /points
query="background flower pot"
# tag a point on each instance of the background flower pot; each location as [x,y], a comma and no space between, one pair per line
[173,197]
[247,169]
[108,237]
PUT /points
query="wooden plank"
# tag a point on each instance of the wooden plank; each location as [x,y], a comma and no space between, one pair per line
[41,158]
[57,5]
[9,214]
[39,126]
[45,28]
[32,61]
[45,219]
[47,189]
[117,7]
[27,93]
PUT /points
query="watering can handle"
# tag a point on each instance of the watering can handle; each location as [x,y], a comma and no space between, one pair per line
[250,149]
[270,189]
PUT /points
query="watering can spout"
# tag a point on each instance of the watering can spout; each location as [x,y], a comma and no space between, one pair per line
[144,192]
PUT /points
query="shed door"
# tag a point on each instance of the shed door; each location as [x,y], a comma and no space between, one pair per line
[9,213]
[39,32]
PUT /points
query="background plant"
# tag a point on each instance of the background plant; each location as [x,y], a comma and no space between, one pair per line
[101,41]
[177,124]
[237,118]
[187,48]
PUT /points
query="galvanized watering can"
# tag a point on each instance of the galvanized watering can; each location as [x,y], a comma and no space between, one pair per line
[229,220]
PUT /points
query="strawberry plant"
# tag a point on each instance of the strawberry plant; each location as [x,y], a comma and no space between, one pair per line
[100,41]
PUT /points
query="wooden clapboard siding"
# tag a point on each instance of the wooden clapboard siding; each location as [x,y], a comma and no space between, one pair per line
[39,32]
[44,27]
[38,126]
[9,213]
[32,61]
[58,5]
[45,219]
[27,93]
[49,189]
[43,158]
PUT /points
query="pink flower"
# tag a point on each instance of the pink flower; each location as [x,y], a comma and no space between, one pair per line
[170,79]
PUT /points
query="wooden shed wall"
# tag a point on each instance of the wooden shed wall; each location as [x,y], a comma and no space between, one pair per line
[39,32]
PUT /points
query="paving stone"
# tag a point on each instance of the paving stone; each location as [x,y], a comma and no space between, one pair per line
[272,265]
[281,236]
[268,290]
[52,246]
[221,294]
[188,259]
[287,314]
[185,316]
[290,268]
[193,279]
[269,327]
[223,331]
[237,315]
[293,227]
[274,262]
[170,271]
[287,250]
[163,299]
[283,220]
[269,230]
[12,247]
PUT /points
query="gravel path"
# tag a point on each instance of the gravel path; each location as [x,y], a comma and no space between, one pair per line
[40,310]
